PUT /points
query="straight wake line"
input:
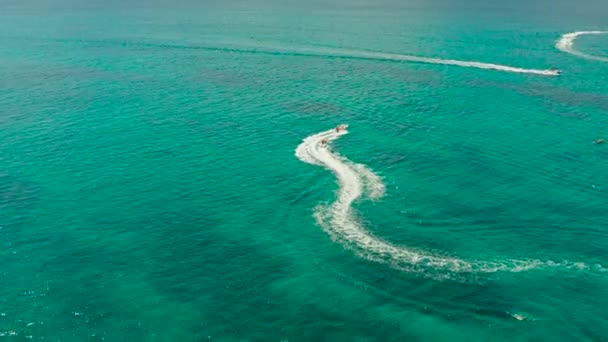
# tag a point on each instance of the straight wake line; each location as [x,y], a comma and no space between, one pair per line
[336,53]
[340,222]
[426,60]
[566,44]
[381,56]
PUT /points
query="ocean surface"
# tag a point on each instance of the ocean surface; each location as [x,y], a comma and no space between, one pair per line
[156,184]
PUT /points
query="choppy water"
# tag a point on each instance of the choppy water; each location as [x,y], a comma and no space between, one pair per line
[150,187]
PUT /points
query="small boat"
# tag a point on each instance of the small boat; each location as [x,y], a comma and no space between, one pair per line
[341,128]
[520,317]
[599,141]
[556,71]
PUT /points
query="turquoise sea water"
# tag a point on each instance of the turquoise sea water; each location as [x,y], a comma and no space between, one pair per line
[149,189]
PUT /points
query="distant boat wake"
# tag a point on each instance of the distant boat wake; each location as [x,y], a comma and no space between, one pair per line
[381,56]
[340,222]
[566,44]
[330,52]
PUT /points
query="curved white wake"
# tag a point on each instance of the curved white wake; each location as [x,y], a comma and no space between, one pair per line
[371,55]
[340,222]
[566,44]
[453,62]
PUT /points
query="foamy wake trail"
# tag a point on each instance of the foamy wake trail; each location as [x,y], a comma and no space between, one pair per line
[372,55]
[340,222]
[428,60]
[566,44]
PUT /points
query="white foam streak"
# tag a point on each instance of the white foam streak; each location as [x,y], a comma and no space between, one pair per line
[340,222]
[374,186]
[566,44]
[453,62]
[345,53]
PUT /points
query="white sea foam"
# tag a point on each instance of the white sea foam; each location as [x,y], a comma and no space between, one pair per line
[374,186]
[340,222]
[566,44]
[372,55]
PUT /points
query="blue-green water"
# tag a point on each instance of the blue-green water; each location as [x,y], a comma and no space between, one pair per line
[149,189]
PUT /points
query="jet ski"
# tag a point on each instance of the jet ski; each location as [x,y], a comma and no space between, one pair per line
[341,128]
